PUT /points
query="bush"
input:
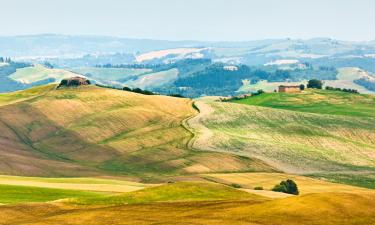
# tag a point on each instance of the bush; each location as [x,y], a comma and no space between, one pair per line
[314,83]
[258,188]
[302,87]
[236,185]
[288,186]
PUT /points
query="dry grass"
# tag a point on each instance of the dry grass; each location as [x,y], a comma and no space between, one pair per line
[306,185]
[85,184]
[338,209]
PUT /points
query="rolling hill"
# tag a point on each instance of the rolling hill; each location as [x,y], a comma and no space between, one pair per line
[84,151]
[313,132]
[89,131]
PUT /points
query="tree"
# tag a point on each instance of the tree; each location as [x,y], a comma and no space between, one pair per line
[126,89]
[314,83]
[302,87]
[288,186]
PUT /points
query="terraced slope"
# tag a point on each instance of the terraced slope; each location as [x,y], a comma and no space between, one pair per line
[88,131]
[334,133]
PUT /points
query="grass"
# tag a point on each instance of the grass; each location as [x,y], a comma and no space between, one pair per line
[84,184]
[18,96]
[337,208]
[317,101]
[306,185]
[20,194]
[289,140]
[181,191]
[366,180]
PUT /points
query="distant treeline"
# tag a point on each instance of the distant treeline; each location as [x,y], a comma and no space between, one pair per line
[354,91]
[7,84]
[367,83]
[159,67]
[138,90]
[135,90]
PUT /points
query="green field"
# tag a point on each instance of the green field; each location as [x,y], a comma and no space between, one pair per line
[182,191]
[317,101]
[17,194]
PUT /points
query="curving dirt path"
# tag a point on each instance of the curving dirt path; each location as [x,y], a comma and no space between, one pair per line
[201,134]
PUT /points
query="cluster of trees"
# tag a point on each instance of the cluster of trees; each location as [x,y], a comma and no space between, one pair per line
[135,90]
[138,90]
[6,60]
[354,91]
[314,83]
[287,186]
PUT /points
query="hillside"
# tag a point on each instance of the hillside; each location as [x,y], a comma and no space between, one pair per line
[96,131]
[316,132]
[317,101]
[39,73]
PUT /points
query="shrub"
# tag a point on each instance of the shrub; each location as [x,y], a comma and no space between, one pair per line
[314,83]
[302,87]
[258,188]
[236,185]
[288,186]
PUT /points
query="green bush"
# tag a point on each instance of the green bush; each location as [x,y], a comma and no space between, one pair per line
[258,188]
[288,186]
[236,185]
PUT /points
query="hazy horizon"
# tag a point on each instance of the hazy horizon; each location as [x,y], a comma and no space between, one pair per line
[237,20]
[178,40]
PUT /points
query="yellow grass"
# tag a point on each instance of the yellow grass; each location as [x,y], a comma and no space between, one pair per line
[311,209]
[86,184]
[306,185]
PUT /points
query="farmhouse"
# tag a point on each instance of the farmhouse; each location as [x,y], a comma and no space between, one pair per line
[74,81]
[289,89]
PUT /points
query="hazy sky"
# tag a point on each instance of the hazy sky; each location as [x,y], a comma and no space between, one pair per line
[192,19]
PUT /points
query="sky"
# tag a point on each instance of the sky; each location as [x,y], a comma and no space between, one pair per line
[208,20]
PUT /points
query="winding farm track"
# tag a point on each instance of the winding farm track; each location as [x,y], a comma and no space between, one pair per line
[201,134]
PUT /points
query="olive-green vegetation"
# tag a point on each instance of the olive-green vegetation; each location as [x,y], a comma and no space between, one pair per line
[181,191]
[366,180]
[17,194]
